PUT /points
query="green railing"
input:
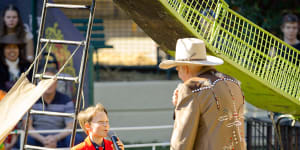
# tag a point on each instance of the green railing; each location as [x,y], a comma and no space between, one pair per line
[254,49]
[267,67]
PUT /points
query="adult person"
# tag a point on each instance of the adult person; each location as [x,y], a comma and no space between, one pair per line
[54,101]
[12,64]
[11,22]
[209,105]
[290,30]
[12,60]
[95,123]
[65,87]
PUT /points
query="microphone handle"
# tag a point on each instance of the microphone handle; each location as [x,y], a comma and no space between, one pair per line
[114,140]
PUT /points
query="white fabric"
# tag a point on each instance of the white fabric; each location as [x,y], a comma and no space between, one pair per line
[18,101]
[13,67]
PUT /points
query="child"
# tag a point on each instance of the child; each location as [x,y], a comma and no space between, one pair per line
[94,121]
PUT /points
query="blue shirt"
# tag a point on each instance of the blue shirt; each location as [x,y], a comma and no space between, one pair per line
[60,103]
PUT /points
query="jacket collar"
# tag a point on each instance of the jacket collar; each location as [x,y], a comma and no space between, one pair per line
[205,69]
[89,143]
[92,147]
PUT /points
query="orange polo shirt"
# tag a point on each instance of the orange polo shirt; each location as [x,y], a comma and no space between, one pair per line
[88,145]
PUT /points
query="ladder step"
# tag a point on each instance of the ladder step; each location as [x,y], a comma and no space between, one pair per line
[64,78]
[50,113]
[49,5]
[63,42]
[41,148]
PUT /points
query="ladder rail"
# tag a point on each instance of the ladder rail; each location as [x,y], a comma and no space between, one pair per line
[82,70]
[78,79]
[35,67]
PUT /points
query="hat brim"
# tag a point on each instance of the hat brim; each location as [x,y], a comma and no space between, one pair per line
[210,61]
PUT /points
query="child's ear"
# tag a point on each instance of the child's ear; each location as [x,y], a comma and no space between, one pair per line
[87,127]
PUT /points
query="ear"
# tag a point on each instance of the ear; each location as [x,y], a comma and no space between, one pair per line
[187,69]
[87,127]
[281,27]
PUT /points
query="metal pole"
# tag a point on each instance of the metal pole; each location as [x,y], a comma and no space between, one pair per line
[44,10]
[91,78]
[249,134]
[269,136]
[82,71]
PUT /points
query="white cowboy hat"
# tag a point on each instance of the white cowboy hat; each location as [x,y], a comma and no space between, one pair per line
[191,51]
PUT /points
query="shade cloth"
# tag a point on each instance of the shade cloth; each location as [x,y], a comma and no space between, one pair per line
[18,101]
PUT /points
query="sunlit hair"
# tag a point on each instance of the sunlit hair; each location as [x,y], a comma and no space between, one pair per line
[19,29]
[86,116]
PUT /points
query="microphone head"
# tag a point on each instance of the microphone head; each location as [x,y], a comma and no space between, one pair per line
[111,133]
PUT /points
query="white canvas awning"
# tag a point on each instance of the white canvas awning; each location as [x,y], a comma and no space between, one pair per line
[18,101]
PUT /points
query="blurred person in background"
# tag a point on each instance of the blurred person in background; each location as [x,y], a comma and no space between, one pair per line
[54,101]
[12,61]
[290,30]
[11,22]
[12,64]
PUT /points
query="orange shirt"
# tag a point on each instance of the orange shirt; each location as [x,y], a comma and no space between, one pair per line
[88,145]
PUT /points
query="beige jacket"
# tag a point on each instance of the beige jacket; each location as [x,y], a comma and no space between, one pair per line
[209,114]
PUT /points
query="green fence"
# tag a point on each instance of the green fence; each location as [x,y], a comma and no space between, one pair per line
[241,42]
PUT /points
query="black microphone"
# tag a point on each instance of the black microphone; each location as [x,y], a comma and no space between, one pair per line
[114,139]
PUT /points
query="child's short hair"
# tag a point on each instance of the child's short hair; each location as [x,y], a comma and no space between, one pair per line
[86,116]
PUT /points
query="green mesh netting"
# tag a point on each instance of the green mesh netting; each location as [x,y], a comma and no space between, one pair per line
[243,42]
[267,67]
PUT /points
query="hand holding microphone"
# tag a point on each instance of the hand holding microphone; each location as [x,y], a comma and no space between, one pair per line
[118,145]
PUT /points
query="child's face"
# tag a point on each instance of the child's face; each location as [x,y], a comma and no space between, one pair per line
[99,126]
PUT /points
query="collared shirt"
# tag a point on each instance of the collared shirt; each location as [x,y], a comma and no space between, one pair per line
[98,146]
[60,103]
[88,145]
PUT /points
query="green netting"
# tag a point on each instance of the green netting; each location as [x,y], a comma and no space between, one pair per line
[239,40]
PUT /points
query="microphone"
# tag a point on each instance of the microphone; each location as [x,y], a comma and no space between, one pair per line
[112,135]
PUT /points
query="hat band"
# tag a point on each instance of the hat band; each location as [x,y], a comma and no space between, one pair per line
[190,59]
